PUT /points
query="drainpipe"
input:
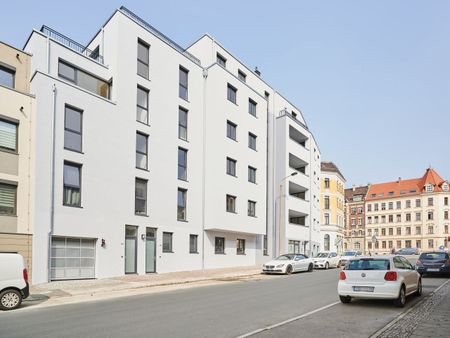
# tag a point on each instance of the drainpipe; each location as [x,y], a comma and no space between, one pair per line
[205,77]
[310,199]
[52,207]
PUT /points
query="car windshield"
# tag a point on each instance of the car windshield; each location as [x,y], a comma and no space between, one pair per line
[350,253]
[285,258]
[322,255]
[433,256]
[368,264]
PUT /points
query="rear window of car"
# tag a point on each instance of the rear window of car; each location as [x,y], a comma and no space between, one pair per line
[368,264]
[433,256]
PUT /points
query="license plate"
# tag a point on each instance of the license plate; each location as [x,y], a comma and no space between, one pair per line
[432,270]
[363,288]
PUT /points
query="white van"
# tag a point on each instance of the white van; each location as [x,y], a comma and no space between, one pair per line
[13,281]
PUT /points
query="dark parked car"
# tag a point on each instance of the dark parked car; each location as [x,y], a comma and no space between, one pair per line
[407,251]
[433,263]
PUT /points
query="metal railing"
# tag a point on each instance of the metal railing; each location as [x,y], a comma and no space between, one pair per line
[156,32]
[68,42]
[285,112]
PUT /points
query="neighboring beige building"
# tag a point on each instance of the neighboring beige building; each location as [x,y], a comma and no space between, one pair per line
[332,206]
[16,152]
[355,228]
[408,213]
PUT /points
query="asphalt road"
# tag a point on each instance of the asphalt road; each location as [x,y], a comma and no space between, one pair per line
[227,310]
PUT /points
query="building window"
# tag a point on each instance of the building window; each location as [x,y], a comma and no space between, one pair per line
[83,79]
[167,242]
[376,206]
[399,204]
[417,203]
[251,107]
[360,210]
[8,135]
[231,130]
[418,216]
[141,151]
[181,201]
[391,218]
[326,242]
[430,230]
[383,244]
[399,218]
[391,231]
[193,246]
[327,219]
[408,204]
[8,199]
[445,214]
[140,197]
[369,220]
[375,219]
[231,166]
[429,188]
[383,206]
[7,76]
[72,128]
[327,183]
[407,244]
[430,201]
[327,202]
[143,58]
[183,87]
[231,203]
[182,164]
[72,184]
[408,230]
[369,232]
[445,229]
[219,245]
[399,231]
[369,207]
[418,244]
[252,141]
[353,222]
[242,76]
[383,219]
[383,232]
[391,205]
[251,174]
[231,93]
[142,105]
[399,244]
[408,217]
[430,215]
[182,123]
[445,200]
[221,60]
[265,246]
[418,230]
[240,246]
[251,210]
[430,243]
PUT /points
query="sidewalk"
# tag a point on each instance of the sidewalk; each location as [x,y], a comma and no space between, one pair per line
[63,292]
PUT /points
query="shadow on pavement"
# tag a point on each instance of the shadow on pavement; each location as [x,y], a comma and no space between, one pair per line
[34,299]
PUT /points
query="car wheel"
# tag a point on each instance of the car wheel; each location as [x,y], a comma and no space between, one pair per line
[327,266]
[345,299]
[10,299]
[288,270]
[401,300]
[310,268]
[418,292]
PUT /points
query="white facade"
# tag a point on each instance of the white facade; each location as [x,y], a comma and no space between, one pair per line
[103,236]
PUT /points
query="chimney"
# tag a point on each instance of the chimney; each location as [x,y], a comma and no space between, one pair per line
[257,71]
[353,187]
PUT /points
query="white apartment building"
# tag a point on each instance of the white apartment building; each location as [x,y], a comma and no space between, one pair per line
[156,158]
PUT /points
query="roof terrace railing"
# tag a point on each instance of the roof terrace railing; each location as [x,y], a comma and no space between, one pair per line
[79,48]
[156,32]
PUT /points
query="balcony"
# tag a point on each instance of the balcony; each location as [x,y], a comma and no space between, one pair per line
[298,164]
[297,218]
[297,136]
[298,198]
[69,43]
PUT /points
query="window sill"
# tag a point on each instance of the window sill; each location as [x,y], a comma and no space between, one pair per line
[233,103]
[185,100]
[142,215]
[253,216]
[143,77]
[233,139]
[182,139]
[168,252]
[73,150]
[232,175]
[183,220]
[219,253]
[143,169]
[195,253]
[9,151]
[73,206]
[8,215]
[143,123]
[232,212]
[240,254]
[183,180]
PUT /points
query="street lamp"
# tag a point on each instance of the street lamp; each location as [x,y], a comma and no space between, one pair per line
[279,209]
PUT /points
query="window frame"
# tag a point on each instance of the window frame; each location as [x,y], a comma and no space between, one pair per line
[240,246]
[9,70]
[183,70]
[229,167]
[252,107]
[66,129]
[13,186]
[138,152]
[138,60]
[252,170]
[233,199]
[252,137]
[231,126]
[138,106]
[251,208]
[232,93]
[79,166]
[167,235]
[217,241]
[16,124]
[183,192]
[242,76]
[181,126]
[136,181]
[221,60]
[184,167]
[191,250]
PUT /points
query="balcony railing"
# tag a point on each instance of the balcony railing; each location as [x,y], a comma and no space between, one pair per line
[68,42]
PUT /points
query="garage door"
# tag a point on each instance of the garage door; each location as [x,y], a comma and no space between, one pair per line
[72,258]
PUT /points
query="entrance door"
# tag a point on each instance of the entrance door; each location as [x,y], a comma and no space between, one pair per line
[130,249]
[150,250]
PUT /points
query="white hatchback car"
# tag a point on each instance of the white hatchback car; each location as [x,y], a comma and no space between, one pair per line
[327,260]
[289,263]
[379,277]
[13,281]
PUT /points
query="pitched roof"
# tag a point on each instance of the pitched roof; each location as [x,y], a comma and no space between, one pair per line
[408,187]
[356,191]
[330,166]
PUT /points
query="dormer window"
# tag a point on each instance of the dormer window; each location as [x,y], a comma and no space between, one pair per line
[429,188]
[445,186]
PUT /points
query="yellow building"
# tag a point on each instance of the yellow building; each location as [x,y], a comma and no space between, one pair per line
[332,206]
[16,152]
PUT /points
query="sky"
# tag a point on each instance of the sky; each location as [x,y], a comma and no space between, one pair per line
[372,78]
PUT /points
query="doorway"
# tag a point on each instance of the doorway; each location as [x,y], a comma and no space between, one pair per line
[150,250]
[130,249]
